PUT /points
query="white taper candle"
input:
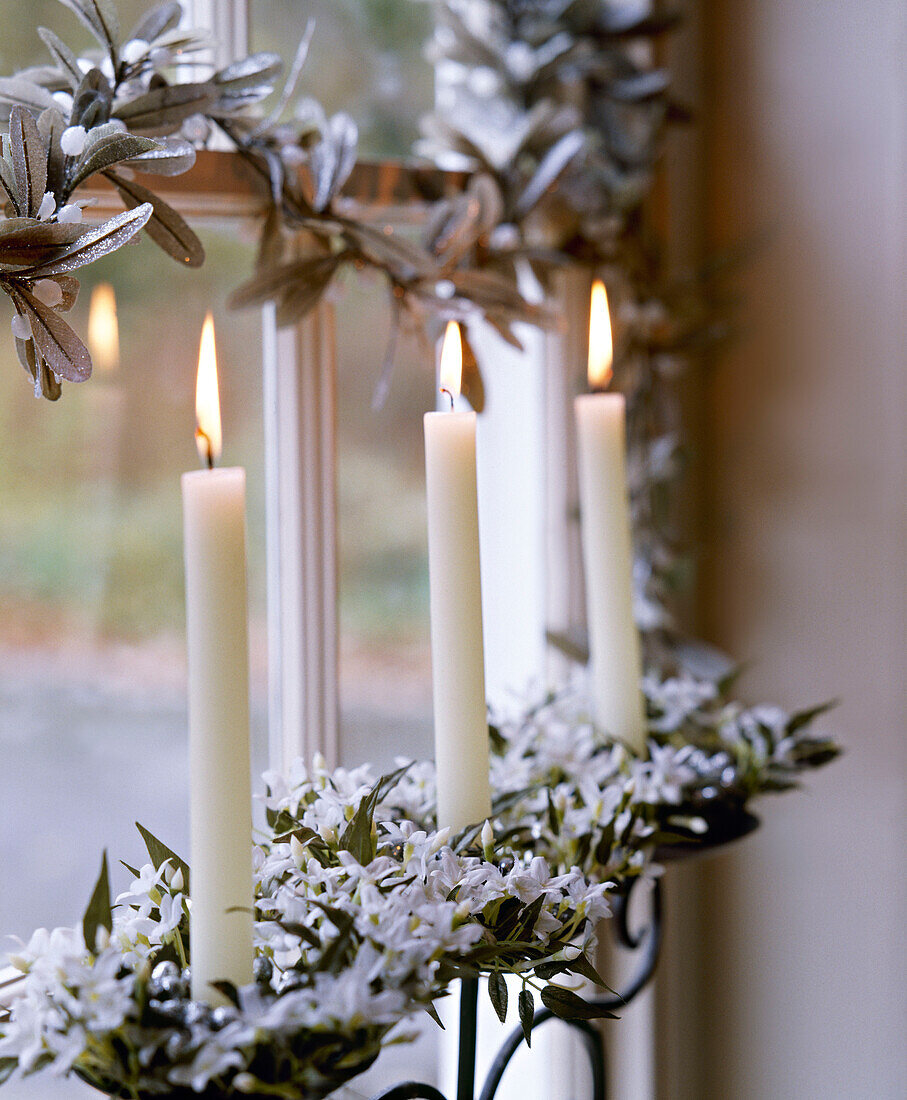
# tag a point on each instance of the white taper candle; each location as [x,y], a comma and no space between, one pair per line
[214,530]
[458,662]
[614,644]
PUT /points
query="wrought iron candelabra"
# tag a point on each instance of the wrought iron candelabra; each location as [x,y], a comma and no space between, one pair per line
[646,942]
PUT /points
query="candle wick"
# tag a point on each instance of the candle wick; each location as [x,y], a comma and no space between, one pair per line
[208,460]
[444,389]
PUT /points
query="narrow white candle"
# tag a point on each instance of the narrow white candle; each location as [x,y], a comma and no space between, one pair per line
[219,763]
[458,661]
[616,663]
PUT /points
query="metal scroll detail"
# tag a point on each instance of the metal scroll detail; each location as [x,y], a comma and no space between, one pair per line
[646,941]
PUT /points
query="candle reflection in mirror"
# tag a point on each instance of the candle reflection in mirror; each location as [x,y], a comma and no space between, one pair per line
[103,329]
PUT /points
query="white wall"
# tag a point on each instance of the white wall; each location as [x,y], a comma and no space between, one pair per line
[799,945]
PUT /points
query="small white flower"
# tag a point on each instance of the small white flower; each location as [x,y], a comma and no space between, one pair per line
[133,51]
[47,207]
[196,129]
[72,140]
[71,214]
[171,910]
[49,292]
[483,81]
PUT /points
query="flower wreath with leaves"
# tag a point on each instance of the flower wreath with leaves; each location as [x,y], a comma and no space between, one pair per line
[362,923]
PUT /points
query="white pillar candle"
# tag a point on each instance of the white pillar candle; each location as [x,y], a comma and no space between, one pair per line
[214,519]
[614,645]
[458,663]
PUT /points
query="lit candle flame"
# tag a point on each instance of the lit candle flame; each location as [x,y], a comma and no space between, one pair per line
[103,330]
[452,361]
[208,437]
[601,346]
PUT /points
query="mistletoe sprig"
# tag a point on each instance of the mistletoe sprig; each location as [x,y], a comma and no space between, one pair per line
[42,241]
[126,106]
[562,104]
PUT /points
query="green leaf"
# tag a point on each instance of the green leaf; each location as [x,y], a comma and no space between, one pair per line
[159,853]
[565,1004]
[92,101]
[357,836]
[529,917]
[29,158]
[552,166]
[109,150]
[97,242]
[390,250]
[311,271]
[497,992]
[165,227]
[25,242]
[301,832]
[99,913]
[158,21]
[8,183]
[805,717]
[171,157]
[301,298]
[58,345]
[386,784]
[553,824]
[63,55]
[99,17]
[249,72]
[332,960]
[638,87]
[163,110]
[51,125]
[582,966]
[17,90]
[526,1004]
[229,991]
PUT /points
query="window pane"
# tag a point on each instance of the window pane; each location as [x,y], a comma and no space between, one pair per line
[92,648]
[385,656]
[366,59]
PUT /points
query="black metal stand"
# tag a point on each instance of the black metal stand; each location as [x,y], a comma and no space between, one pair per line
[646,941]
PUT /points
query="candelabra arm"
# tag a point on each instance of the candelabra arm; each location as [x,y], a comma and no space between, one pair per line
[466,1055]
[410,1090]
[647,940]
[592,1044]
